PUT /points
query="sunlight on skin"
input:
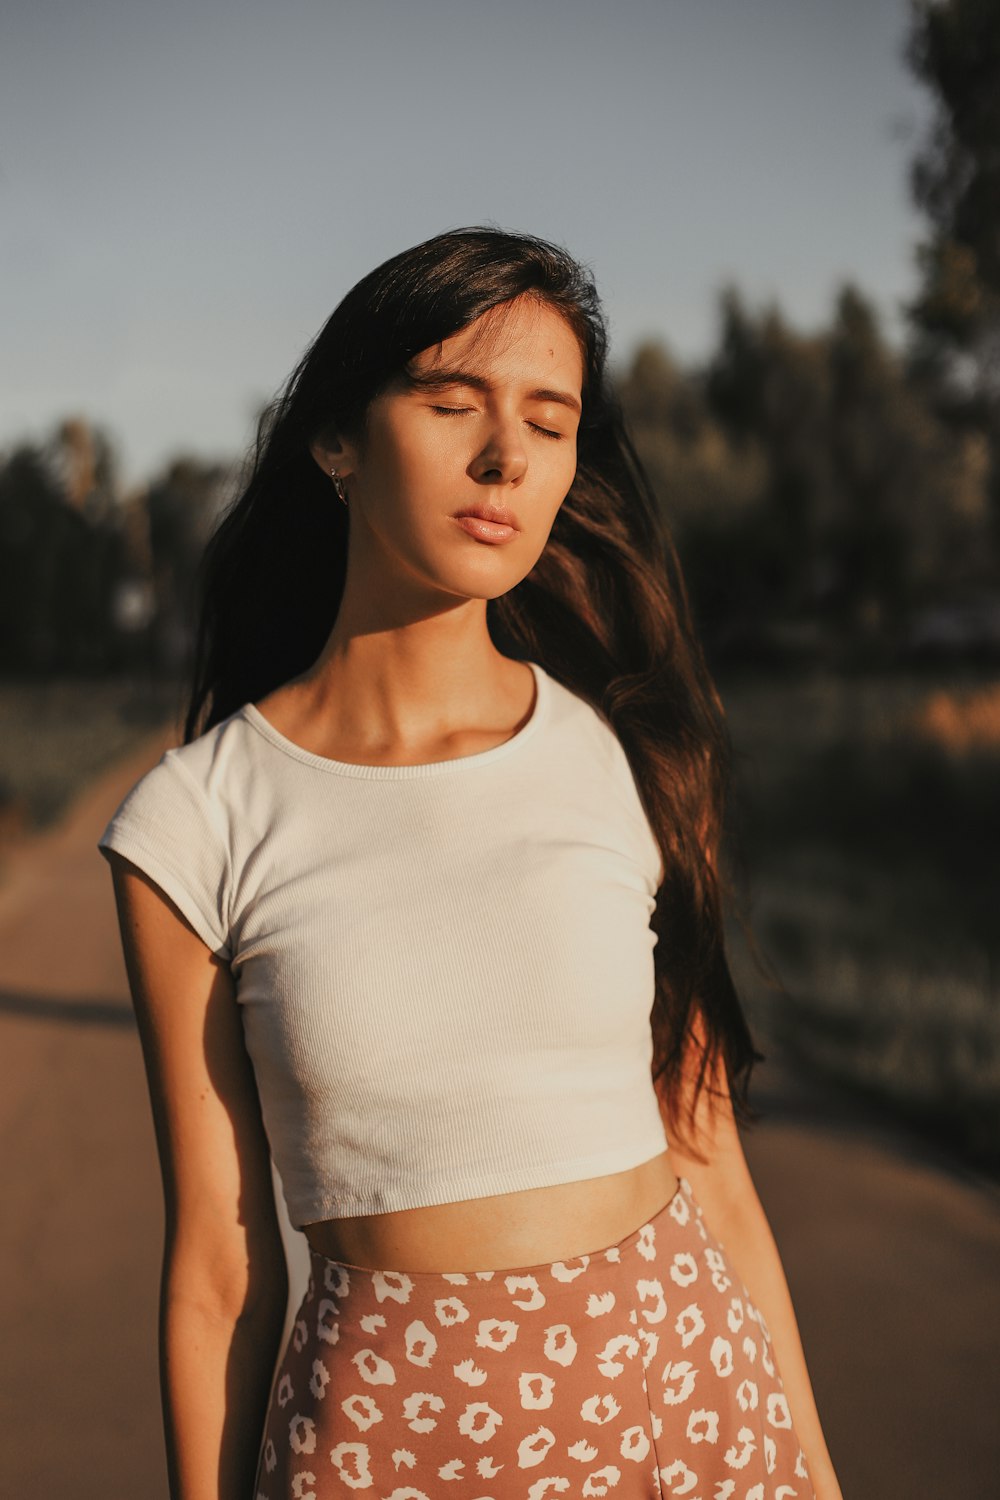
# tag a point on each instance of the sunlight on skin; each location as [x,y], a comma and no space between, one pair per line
[483,423]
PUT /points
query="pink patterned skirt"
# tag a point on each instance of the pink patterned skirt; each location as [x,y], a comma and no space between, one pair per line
[640,1370]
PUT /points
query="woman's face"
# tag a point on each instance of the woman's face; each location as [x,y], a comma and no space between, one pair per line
[489,425]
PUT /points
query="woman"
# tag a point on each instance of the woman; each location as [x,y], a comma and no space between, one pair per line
[426,908]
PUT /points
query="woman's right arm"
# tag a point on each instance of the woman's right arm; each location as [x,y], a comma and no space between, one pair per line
[224,1281]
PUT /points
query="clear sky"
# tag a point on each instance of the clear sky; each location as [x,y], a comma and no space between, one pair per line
[188,188]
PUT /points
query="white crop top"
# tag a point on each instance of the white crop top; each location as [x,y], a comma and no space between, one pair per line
[445,971]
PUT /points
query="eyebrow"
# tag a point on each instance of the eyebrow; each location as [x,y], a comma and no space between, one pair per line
[436,380]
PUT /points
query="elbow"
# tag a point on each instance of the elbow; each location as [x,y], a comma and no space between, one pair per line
[231,1285]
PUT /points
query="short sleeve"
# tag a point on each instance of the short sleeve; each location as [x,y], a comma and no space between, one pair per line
[168,828]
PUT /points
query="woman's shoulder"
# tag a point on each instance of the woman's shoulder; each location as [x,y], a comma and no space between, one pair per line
[200,779]
[175,824]
[216,757]
[579,722]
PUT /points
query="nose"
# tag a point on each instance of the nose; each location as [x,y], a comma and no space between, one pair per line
[502,459]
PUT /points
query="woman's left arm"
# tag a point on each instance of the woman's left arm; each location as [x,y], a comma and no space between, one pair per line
[724,1188]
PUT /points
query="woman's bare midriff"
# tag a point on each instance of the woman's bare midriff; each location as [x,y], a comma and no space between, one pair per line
[504,1231]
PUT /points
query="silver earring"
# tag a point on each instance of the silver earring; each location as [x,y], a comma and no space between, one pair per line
[338,485]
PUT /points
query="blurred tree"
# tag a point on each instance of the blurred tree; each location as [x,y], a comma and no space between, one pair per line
[57,553]
[182,505]
[710,486]
[30,523]
[911,514]
[768,384]
[808,485]
[954,47]
[90,579]
[84,460]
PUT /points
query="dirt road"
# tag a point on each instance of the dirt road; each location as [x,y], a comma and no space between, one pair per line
[894,1261]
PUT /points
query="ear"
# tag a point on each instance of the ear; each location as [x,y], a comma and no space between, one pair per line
[333,452]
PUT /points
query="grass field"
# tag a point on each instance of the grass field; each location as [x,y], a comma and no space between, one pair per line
[58,735]
[867,811]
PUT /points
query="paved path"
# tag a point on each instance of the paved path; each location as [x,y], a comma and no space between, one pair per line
[894,1261]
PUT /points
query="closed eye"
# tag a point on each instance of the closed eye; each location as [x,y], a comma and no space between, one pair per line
[458,411]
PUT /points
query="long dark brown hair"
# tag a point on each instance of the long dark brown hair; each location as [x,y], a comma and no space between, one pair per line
[604,610]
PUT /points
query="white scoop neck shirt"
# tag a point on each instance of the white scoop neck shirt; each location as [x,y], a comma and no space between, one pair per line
[444,971]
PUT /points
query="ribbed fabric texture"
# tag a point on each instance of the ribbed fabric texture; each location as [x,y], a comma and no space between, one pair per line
[445,971]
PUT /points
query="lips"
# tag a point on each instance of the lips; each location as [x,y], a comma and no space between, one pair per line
[485,531]
[496,515]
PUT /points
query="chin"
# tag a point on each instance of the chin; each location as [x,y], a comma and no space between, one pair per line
[486,574]
[493,588]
